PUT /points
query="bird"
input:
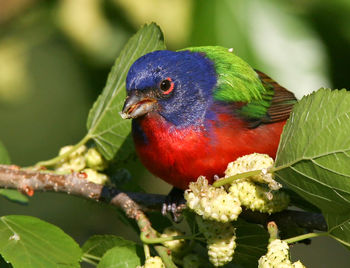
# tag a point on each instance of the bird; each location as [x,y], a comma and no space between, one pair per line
[196,109]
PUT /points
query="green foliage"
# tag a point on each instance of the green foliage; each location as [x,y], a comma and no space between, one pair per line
[105,126]
[312,161]
[52,247]
[122,256]
[31,243]
[12,195]
[97,245]
[251,241]
[314,154]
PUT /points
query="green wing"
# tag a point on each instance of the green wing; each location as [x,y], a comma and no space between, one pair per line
[259,99]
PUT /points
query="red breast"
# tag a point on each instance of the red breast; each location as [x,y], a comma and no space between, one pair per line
[180,155]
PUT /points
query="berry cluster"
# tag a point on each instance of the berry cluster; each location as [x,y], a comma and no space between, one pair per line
[212,203]
[259,197]
[251,162]
[220,238]
[219,206]
[84,160]
[278,256]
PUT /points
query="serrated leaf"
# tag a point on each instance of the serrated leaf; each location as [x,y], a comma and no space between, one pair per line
[97,245]
[314,155]
[28,242]
[252,240]
[105,126]
[128,256]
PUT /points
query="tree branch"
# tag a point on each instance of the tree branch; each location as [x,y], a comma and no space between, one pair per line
[26,180]
[133,204]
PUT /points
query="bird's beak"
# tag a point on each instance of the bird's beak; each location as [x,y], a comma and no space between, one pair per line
[137,104]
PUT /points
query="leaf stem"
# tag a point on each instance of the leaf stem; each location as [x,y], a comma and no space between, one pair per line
[55,160]
[158,240]
[85,259]
[304,236]
[146,250]
[340,240]
[93,257]
[230,179]
[278,168]
[166,258]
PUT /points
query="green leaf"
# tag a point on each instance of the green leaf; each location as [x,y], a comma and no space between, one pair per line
[30,242]
[252,240]
[105,126]
[4,156]
[314,155]
[12,195]
[127,256]
[97,245]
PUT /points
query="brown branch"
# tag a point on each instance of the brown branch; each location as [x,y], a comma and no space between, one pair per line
[75,183]
[27,180]
[133,204]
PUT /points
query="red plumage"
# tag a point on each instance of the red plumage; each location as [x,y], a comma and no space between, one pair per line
[179,156]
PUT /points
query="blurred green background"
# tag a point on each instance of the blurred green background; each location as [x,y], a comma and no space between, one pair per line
[55,57]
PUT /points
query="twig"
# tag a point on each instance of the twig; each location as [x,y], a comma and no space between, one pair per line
[133,204]
[76,183]
[134,211]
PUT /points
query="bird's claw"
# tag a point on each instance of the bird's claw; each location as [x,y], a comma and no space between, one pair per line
[174,204]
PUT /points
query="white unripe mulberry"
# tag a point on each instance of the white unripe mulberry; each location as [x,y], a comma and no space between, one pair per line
[81,158]
[65,149]
[277,256]
[298,264]
[220,240]
[94,176]
[74,162]
[79,151]
[252,162]
[174,245]
[77,163]
[153,262]
[95,160]
[259,198]
[212,203]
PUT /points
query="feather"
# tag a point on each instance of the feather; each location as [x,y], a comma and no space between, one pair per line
[281,103]
[265,101]
[236,80]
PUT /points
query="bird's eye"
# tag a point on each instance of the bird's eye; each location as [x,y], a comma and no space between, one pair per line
[167,85]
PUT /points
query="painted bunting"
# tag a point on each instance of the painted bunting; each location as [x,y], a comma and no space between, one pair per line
[197,109]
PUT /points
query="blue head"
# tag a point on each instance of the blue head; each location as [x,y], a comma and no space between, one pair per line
[177,85]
